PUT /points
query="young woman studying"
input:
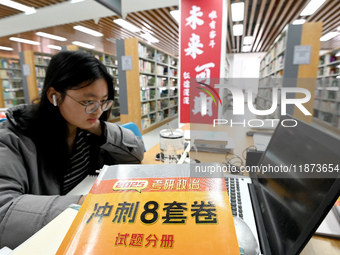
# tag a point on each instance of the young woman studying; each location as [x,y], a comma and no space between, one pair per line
[46,149]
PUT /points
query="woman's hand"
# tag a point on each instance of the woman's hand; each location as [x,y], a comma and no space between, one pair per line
[81,200]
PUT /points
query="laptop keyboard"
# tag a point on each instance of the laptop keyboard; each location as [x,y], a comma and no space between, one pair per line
[233,188]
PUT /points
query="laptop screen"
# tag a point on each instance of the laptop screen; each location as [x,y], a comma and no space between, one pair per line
[299,185]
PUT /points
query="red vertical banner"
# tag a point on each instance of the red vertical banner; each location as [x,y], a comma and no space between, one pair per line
[202,50]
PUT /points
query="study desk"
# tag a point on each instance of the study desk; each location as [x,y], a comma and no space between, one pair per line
[318,245]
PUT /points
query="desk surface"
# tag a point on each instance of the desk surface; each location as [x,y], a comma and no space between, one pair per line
[318,245]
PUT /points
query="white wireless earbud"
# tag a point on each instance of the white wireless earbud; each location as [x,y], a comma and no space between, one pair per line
[54,97]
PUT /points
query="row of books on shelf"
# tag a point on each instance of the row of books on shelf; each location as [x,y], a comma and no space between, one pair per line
[327,94]
[149,81]
[161,58]
[8,84]
[40,71]
[146,80]
[153,94]
[13,102]
[173,82]
[13,95]
[158,105]
[275,52]
[273,66]
[145,52]
[9,63]
[40,84]
[152,118]
[162,82]
[161,70]
[328,70]
[328,82]
[327,106]
[10,74]
[328,59]
[147,94]
[108,60]
[112,71]
[147,107]
[42,60]
[146,66]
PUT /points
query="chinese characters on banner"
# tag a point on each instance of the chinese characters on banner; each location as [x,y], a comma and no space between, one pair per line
[202,52]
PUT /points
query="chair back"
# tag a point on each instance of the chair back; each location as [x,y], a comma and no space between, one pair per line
[134,128]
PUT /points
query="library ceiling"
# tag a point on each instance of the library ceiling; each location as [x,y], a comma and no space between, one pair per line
[264,20]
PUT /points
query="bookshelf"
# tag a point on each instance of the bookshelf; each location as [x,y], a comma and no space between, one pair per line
[41,61]
[111,63]
[148,84]
[277,69]
[35,64]
[327,93]
[11,86]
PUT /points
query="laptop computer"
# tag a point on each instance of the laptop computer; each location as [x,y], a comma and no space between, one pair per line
[284,207]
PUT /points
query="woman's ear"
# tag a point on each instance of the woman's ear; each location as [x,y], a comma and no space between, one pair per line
[53,96]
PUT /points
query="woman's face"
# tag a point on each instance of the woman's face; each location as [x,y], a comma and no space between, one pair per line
[74,113]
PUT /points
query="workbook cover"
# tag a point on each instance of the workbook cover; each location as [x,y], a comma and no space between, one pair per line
[148,209]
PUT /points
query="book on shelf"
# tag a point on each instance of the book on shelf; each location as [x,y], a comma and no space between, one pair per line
[3,63]
[146,209]
[145,52]
[146,122]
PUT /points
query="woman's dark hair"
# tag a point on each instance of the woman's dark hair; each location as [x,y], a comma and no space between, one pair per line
[67,70]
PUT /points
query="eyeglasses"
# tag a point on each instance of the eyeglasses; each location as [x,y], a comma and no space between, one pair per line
[92,106]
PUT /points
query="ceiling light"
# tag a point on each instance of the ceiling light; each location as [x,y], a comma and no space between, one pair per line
[237,11]
[149,38]
[238,29]
[54,47]
[6,48]
[126,25]
[329,36]
[247,40]
[299,21]
[85,45]
[24,8]
[50,36]
[176,15]
[245,48]
[88,31]
[312,7]
[16,39]
[76,1]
